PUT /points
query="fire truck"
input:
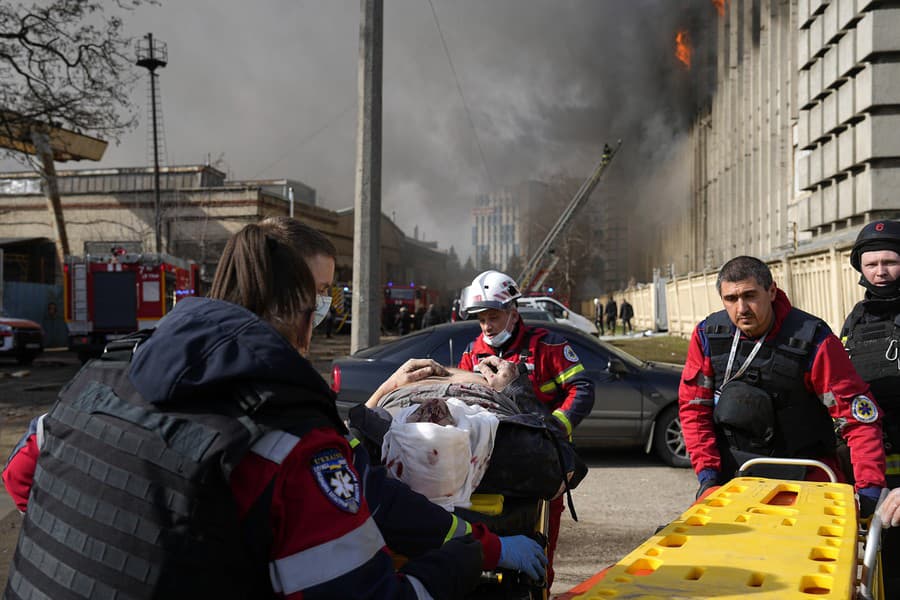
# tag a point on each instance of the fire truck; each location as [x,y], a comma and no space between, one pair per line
[414,298]
[109,296]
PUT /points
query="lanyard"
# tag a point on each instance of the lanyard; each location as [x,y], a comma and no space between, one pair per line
[731,355]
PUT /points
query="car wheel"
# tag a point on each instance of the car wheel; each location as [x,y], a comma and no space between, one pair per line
[668,440]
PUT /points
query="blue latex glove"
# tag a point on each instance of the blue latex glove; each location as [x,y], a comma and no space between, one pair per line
[521,553]
[707,478]
[868,500]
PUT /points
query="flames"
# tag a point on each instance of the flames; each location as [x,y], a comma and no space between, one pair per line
[683,48]
[720,6]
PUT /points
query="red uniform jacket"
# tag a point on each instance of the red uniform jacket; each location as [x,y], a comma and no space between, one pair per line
[556,373]
[831,374]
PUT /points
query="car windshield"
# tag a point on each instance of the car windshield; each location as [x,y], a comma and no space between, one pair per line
[626,358]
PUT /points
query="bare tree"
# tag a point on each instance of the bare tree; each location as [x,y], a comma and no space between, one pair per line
[66,63]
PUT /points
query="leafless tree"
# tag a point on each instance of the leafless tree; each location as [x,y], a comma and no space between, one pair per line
[66,63]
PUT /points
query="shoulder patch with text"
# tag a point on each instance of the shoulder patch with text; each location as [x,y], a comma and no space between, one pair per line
[336,479]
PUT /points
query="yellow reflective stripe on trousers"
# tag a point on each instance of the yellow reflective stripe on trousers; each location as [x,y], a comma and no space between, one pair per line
[458,528]
[892,464]
[322,563]
[561,416]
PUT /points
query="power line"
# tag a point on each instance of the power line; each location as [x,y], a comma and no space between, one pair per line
[437,24]
[306,139]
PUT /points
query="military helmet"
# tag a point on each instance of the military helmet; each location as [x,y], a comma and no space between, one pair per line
[877,235]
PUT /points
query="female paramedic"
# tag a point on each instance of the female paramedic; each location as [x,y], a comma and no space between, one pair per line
[161,472]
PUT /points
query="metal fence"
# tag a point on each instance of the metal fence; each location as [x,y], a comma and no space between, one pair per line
[821,283]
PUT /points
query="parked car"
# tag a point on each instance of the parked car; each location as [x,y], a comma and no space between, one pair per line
[560,312]
[636,402]
[21,339]
[535,314]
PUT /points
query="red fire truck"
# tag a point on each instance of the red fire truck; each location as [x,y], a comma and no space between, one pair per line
[109,296]
[414,297]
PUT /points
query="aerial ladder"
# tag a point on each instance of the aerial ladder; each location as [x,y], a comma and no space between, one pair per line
[545,258]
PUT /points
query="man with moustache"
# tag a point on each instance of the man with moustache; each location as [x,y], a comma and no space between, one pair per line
[763,378]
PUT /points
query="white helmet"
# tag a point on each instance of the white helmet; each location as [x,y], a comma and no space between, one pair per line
[491,289]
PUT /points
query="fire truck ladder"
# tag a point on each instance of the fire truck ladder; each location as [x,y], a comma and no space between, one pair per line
[535,272]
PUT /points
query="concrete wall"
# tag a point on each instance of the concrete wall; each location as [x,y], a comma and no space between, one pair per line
[847,133]
[742,147]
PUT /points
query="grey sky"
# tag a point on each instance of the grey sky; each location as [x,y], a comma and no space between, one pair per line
[271,87]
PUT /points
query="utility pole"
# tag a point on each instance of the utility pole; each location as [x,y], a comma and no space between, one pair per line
[154,55]
[41,141]
[367,202]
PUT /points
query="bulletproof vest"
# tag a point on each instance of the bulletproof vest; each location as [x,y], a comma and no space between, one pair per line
[802,426]
[874,348]
[132,499]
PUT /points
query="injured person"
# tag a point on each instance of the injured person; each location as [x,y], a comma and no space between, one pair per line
[454,432]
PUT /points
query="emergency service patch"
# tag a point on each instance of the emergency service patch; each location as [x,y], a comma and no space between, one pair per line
[570,354]
[336,479]
[864,410]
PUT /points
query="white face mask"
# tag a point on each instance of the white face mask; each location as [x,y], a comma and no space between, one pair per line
[498,339]
[323,305]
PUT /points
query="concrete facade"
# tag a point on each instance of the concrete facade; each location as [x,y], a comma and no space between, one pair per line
[800,146]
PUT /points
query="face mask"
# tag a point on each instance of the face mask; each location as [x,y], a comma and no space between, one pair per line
[497,340]
[323,304]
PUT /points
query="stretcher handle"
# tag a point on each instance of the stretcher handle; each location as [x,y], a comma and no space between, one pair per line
[795,462]
[870,557]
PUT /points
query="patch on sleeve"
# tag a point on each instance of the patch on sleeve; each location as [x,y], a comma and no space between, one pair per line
[864,410]
[336,479]
[570,354]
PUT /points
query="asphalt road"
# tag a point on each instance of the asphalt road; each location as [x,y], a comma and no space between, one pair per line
[625,497]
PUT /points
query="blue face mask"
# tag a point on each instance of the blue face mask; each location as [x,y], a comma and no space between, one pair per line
[323,304]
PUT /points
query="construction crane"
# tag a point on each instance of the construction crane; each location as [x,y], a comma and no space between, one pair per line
[544,259]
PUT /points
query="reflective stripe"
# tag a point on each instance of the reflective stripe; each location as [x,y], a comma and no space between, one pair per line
[275,445]
[827,399]
[569,373]
[892,464]
[458,528]
[561,416]
[327,561]
[39,432]
[419,588]
[705,381]
[702,401]
[548,387]
[354,442]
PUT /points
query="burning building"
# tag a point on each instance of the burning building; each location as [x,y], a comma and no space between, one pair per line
[798,146]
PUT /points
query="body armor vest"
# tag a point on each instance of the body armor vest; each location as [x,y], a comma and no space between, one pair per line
[874,347]
[132,499]
[801,425]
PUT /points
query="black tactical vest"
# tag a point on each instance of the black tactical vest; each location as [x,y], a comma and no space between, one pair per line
[874,347]
[802,425]
[132,500]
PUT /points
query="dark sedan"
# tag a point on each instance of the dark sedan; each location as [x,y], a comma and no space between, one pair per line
[635,402]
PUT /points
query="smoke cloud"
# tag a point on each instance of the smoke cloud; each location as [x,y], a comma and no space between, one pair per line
[270,89]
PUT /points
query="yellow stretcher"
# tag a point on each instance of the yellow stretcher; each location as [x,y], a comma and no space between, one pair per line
[756,538]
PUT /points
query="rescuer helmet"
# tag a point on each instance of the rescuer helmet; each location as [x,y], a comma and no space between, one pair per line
[491,289]
[877,235]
